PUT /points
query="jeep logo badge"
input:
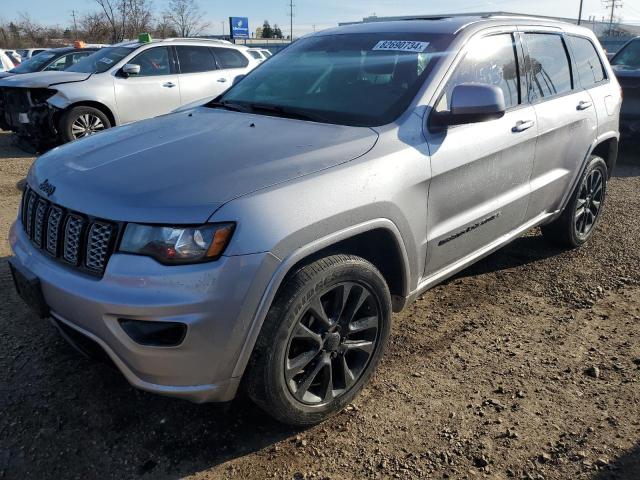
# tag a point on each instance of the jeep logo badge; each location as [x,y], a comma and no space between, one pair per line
[47,188]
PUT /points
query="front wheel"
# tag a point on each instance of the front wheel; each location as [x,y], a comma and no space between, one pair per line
[321,341]
[82,121]
[577,223]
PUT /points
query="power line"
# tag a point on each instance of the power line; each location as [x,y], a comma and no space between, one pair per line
[612,4]
[75,26]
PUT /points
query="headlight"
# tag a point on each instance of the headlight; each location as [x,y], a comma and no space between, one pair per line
[177,245]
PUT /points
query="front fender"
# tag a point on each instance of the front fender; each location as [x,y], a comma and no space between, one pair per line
[300,254]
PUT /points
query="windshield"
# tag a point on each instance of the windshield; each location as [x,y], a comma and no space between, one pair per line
[629,56]
[102,60]
[350,79]
[35,63]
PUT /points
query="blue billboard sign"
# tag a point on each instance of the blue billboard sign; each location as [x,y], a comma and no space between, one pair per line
[239,27]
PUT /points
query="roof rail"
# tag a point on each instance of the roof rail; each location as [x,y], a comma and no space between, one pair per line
[522,15]
[193,39]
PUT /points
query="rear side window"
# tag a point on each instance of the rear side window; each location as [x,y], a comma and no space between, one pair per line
[590,68]
[65,62]
[255,55]
[548,65]
[229,58]
[195,59]
[491,60]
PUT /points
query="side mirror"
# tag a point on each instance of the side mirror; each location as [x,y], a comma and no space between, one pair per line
[473,103]
[237,79]
[130,69]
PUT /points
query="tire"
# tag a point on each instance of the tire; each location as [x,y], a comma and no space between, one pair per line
[572,228]
[82,121]
[294,338]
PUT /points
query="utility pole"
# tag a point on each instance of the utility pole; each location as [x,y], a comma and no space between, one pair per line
[291,5]
[580,12]
[612,4]
[75,25]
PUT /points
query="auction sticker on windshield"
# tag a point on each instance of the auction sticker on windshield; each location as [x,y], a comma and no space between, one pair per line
[401,46]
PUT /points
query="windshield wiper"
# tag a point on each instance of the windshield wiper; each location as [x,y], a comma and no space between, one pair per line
[286,112]
[234,107]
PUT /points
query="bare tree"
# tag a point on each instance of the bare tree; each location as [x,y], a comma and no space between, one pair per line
[31,31]
[164,28]
[94,28]
[115,13]
[139,18]
[186,17]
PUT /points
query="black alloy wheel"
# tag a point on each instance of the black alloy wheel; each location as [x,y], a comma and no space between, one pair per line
[332,343]
[589,202]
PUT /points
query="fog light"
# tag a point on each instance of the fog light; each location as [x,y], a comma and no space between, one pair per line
[154,334]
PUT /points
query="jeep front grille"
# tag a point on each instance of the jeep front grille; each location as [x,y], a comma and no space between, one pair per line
[75,239]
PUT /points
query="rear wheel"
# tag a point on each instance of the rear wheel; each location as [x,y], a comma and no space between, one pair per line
[322,340]
[82,121]
[577,223]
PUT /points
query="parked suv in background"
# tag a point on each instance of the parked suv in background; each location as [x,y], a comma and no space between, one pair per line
[27,53]
[626,64]
[264,238]
[53,60]
[120,84]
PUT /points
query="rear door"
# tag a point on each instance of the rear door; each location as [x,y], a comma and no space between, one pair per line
[593,77]
[231,62]
[200,76]
[480,172]
[567,122]
[153,92]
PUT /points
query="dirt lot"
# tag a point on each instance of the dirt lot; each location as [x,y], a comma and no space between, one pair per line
[526,366]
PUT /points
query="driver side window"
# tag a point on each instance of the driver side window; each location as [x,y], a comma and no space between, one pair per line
[154,61]
[491,60]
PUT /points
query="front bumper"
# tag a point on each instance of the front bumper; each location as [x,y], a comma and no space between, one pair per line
[217,301]
[34,122]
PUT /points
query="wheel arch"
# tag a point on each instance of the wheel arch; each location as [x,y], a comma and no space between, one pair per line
[90,103]
[607,149]
[357,240]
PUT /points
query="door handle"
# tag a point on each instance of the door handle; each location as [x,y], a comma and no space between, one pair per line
[523,125]
[222,80]
[169,84]
[584,105]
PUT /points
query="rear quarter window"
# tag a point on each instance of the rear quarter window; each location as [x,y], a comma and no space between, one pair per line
[588,63]
[230,58]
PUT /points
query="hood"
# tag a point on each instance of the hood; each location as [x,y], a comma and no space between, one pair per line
[628,77]
[42,79]
[181,167]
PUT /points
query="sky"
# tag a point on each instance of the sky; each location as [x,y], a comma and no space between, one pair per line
[320,14]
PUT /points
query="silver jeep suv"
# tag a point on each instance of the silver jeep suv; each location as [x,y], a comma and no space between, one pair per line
[262,240]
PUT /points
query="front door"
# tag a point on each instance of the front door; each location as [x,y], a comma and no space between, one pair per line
[154,91]
[480,172]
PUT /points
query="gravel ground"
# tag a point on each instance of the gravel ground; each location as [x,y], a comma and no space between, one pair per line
[527,365]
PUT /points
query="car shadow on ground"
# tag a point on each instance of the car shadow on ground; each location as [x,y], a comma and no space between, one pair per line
[626,467]
[522,251]
[63,412]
